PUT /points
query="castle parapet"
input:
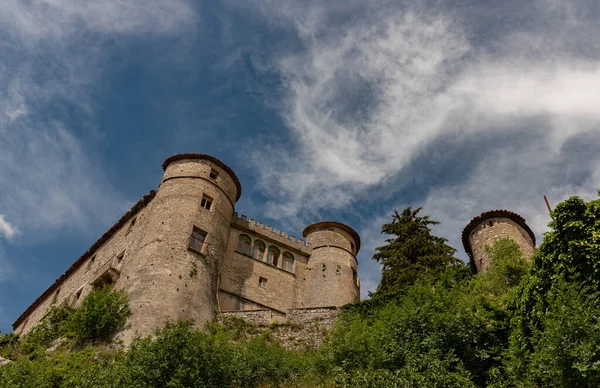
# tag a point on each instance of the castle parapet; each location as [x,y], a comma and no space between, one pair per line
[271,233]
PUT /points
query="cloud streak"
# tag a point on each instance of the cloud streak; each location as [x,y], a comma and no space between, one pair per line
[54,55]
[381,96]
[7,230]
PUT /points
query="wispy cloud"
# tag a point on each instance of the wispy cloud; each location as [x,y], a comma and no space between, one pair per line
[403,97]
[54,56]
[7,230]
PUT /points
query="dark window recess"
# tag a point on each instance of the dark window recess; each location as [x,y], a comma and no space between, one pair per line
[262,282]
[55,299]
[197,239]
[258,251]
[91,262]
[352,247]
[130,227]
[273,256]
[206,202]
[243,244]
[213,173]
[354,276]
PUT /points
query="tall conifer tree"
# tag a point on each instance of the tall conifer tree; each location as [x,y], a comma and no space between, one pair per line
[411,252]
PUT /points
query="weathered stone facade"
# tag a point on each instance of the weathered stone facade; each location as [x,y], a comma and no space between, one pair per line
[182,252]
[490,226]
[302,328]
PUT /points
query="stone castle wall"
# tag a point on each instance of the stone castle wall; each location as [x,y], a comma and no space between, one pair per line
[298,329]
[148,255]
[115,253]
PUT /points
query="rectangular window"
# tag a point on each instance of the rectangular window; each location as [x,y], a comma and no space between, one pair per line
[354,276]
[91,262]
[76,297]
[130,227]
[213,173]
[206,202]
[262,282]
[197,239]
[55,299]
[119,260]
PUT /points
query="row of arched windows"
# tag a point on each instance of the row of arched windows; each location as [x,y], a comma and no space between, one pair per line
[273,255]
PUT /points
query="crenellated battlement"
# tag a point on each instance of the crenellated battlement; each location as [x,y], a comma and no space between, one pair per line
[271,233]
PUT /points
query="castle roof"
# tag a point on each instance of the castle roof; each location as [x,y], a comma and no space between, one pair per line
[325,224]
[210,158]
[82,259]
[466,234]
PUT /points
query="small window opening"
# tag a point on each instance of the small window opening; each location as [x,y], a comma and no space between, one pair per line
[262,282]
[91,262]
[197,239]
[55,299]
[352,247]
[131,225]
[76,297]
[354,276]
[206,202]
[273,256]
[243,244]
[119,260]
[288,262]
[25,324]
[213,173]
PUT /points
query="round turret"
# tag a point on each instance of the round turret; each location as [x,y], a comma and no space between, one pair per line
[175,262]
[490,226]
[332,272]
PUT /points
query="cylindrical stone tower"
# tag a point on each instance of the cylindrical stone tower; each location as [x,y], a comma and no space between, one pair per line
[331,275]
[490,226]
[174,266]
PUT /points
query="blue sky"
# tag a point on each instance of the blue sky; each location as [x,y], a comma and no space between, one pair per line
[338,110]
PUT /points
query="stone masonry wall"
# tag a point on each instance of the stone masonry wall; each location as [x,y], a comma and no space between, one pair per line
[304,328]
[80,281]
[487,232]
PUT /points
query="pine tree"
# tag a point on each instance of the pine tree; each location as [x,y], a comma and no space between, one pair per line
[412,252]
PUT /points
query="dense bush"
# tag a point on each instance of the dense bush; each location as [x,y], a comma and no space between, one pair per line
[101,314]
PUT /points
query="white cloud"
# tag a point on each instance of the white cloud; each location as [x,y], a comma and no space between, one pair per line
[54,54]
[384,93]
[6,229]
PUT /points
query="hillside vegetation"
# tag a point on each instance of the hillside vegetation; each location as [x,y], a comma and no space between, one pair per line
[523,324]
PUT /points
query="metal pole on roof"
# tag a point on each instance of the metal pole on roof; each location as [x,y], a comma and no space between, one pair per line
[548,206]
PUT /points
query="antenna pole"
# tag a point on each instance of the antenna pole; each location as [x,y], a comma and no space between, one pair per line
[548,206]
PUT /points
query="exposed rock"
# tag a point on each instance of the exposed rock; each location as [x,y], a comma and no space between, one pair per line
[57,343]
[4,361]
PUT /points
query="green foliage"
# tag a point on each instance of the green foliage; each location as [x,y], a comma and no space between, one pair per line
[412,252]
[554,313]
[102,313]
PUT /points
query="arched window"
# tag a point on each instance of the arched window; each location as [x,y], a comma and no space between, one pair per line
[273,256]
[258,251]
[243,245]
[288,262]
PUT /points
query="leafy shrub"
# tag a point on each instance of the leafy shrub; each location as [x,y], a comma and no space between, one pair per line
[102,312]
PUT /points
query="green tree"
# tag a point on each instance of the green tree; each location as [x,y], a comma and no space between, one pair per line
[554,315]
[412,252]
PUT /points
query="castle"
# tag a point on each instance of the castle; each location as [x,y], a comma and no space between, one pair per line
[182,252]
